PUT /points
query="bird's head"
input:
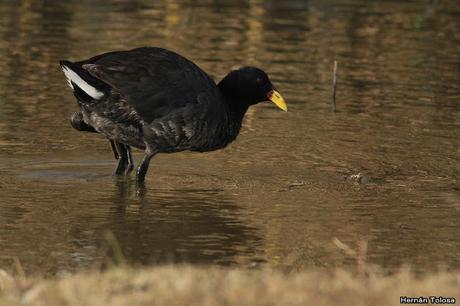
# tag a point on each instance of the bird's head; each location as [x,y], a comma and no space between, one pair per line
[249,85]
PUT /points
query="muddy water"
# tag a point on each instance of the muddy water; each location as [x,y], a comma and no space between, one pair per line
[288,186]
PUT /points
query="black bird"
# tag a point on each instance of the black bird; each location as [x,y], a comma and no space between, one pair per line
[158,101]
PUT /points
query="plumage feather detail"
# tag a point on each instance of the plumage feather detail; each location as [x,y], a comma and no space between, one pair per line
[74,78]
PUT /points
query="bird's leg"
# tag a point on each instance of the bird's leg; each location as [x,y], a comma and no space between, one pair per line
[144,165]
[123,158]
[77,122]
[114,149]
[129,155]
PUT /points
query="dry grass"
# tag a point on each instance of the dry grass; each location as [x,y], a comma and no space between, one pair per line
[185,285]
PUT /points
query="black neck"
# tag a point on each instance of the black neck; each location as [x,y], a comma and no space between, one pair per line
[236,104]
[236,115]
[236,109]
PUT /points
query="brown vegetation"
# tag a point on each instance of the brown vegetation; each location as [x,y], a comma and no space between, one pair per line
[186,285]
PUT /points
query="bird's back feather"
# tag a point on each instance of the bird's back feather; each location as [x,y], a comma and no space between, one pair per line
[156,82]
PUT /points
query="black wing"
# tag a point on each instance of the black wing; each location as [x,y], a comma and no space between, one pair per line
[156,82]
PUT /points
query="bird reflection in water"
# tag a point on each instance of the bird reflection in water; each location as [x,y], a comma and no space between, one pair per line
[181,226]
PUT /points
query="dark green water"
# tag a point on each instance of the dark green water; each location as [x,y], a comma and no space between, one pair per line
[276,197]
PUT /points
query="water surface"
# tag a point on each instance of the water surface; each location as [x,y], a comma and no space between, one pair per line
[279,194]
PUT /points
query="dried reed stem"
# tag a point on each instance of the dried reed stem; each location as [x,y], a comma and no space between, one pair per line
[334,86]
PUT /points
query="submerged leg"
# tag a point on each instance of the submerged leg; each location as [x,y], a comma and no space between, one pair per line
[123,159]
[144,165]
[129,155]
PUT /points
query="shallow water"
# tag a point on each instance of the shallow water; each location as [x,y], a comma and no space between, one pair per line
[285,189]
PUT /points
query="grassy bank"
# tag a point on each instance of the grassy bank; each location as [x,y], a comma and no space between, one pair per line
[172,285]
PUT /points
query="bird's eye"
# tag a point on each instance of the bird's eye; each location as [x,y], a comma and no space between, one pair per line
[259,81]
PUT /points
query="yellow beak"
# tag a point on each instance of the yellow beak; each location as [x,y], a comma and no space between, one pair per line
[276,98]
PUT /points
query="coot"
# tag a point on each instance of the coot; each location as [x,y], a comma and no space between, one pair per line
[158,101]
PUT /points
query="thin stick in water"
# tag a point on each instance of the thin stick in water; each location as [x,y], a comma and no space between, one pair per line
[334,86]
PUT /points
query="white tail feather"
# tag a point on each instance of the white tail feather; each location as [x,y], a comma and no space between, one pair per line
[87,88]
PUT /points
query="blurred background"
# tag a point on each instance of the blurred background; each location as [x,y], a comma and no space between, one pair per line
[384,168]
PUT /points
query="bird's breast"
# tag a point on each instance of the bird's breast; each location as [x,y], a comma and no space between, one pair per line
[194,135]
